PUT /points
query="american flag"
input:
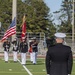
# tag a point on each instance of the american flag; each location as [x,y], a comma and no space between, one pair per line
[11,30]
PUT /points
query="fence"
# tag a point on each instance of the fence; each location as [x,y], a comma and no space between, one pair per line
[70,42]
[41,38]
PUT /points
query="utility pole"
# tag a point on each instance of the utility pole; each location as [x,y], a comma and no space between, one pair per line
[14,14]
[73,24]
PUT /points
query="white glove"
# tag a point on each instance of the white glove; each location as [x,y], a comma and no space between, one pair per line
[48,74]
[69,74]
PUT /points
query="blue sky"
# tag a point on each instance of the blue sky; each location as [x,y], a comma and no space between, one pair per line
[54,5]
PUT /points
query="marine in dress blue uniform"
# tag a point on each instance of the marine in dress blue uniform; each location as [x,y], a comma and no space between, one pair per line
[6,46]
[23,50]
[34,49]
[15,49]
[59,58]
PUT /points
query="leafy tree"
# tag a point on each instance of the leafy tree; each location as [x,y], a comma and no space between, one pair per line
[65,16]
[5,13]
[37,14]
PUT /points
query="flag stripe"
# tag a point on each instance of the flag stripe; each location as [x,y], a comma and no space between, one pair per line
[8,34]
[11,30]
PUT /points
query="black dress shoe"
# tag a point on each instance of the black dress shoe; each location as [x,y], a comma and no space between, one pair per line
[15,61]
[34,63]
[6,61]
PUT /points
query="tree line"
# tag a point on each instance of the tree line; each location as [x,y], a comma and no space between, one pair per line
[38,16]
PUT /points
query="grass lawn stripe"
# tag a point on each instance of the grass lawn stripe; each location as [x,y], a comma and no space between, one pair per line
[26,68]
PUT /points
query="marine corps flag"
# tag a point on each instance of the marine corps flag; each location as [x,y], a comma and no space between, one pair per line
[23,35]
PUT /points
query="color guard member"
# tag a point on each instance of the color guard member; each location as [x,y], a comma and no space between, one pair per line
[15,49]
[23,50]
[6,46]
[34,49]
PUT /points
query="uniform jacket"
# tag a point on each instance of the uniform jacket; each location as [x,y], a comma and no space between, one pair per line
[23,47]
[34,46]
[6,46]
[59,60]
[15,46]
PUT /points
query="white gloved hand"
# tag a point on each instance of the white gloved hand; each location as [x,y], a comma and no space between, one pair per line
[69,74]
[48,74]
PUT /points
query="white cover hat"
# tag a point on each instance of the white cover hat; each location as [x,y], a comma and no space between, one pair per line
[60,35]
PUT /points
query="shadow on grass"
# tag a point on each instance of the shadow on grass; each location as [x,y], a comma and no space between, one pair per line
[38,63]
[13,61]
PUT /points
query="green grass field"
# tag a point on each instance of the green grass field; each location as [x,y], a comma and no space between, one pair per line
[12,68]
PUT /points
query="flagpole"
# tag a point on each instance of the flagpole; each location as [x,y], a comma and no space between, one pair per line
[73,25]
[14,14]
